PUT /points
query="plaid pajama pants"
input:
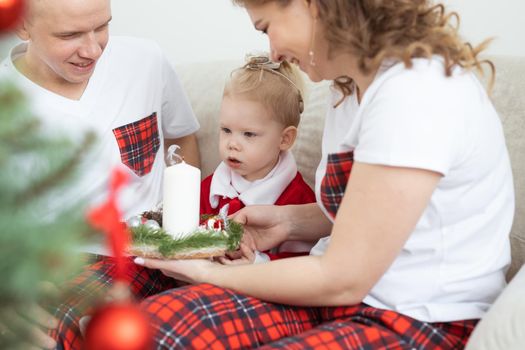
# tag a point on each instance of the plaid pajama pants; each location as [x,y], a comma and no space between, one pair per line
[208,317]
[89,288]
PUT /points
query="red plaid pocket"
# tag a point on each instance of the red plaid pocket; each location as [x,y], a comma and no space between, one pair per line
[333,185]
[138,144]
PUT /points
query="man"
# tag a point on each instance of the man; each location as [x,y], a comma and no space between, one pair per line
[79,79]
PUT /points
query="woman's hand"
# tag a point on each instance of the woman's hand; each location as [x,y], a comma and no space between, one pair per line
[265,226]
[191,270]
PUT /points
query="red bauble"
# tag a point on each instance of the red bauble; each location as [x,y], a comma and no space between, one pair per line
[10,13]
[118,327]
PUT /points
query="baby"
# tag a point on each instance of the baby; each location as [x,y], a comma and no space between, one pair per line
[259,116]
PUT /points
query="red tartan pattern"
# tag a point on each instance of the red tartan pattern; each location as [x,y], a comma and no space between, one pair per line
[91,286]
[208,317]
[333,184]
[138,144]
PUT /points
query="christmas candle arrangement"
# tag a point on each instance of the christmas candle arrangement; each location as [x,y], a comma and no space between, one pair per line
[180,236]
[180,213]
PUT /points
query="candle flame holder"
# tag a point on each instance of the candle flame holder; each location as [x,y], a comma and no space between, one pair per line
[172,158]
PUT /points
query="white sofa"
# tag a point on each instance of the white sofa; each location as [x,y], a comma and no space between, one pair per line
[503,327]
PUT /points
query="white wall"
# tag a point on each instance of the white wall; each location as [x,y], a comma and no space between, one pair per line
[199,30]
[189,30]
[500,19]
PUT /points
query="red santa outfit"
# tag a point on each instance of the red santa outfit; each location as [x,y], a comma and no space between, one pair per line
[282,186]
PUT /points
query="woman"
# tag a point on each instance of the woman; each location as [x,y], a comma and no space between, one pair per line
[418,234]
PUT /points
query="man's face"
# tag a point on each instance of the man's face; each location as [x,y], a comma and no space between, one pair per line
[66,38]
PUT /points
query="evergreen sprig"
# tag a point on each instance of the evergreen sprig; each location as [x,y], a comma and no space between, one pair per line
[228,239]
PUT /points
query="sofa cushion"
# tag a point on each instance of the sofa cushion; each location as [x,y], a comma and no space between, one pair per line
[503,327]
[510,104]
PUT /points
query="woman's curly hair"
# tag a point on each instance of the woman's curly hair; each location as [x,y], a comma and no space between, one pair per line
[373,30]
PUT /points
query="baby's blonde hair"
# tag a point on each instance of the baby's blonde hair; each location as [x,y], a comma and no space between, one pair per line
[279,90]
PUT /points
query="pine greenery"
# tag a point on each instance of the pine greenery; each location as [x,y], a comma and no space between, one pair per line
[167,246]
[33,247]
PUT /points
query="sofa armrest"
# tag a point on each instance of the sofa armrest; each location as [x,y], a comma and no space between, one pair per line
[503,326]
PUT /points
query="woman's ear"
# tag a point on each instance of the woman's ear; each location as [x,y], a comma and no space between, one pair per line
[312,6]
[288,136]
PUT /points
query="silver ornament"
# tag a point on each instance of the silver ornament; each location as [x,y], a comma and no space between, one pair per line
[134,221]
[152,225]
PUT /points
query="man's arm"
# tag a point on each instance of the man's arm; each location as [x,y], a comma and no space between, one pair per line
[189,148]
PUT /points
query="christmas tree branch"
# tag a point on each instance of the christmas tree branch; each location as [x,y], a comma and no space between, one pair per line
[58,176]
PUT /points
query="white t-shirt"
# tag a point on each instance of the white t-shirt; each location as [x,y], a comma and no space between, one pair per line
[134,94]
[453,265]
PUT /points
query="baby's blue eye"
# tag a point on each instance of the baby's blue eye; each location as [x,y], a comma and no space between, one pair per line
[226,130]
[249,134]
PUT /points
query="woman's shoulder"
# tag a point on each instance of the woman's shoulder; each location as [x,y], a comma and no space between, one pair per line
[426,81]
[428,73]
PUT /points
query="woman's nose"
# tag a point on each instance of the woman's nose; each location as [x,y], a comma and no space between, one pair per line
[275,56]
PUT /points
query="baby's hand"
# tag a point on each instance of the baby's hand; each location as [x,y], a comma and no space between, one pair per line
[248,240]
[243,256]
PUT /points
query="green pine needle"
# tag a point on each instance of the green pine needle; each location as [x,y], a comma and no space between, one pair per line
[36,167]
[168,246]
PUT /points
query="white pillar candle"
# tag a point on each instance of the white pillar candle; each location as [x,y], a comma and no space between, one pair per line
[180,213]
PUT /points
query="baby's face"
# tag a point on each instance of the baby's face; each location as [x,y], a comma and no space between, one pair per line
[250,138]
